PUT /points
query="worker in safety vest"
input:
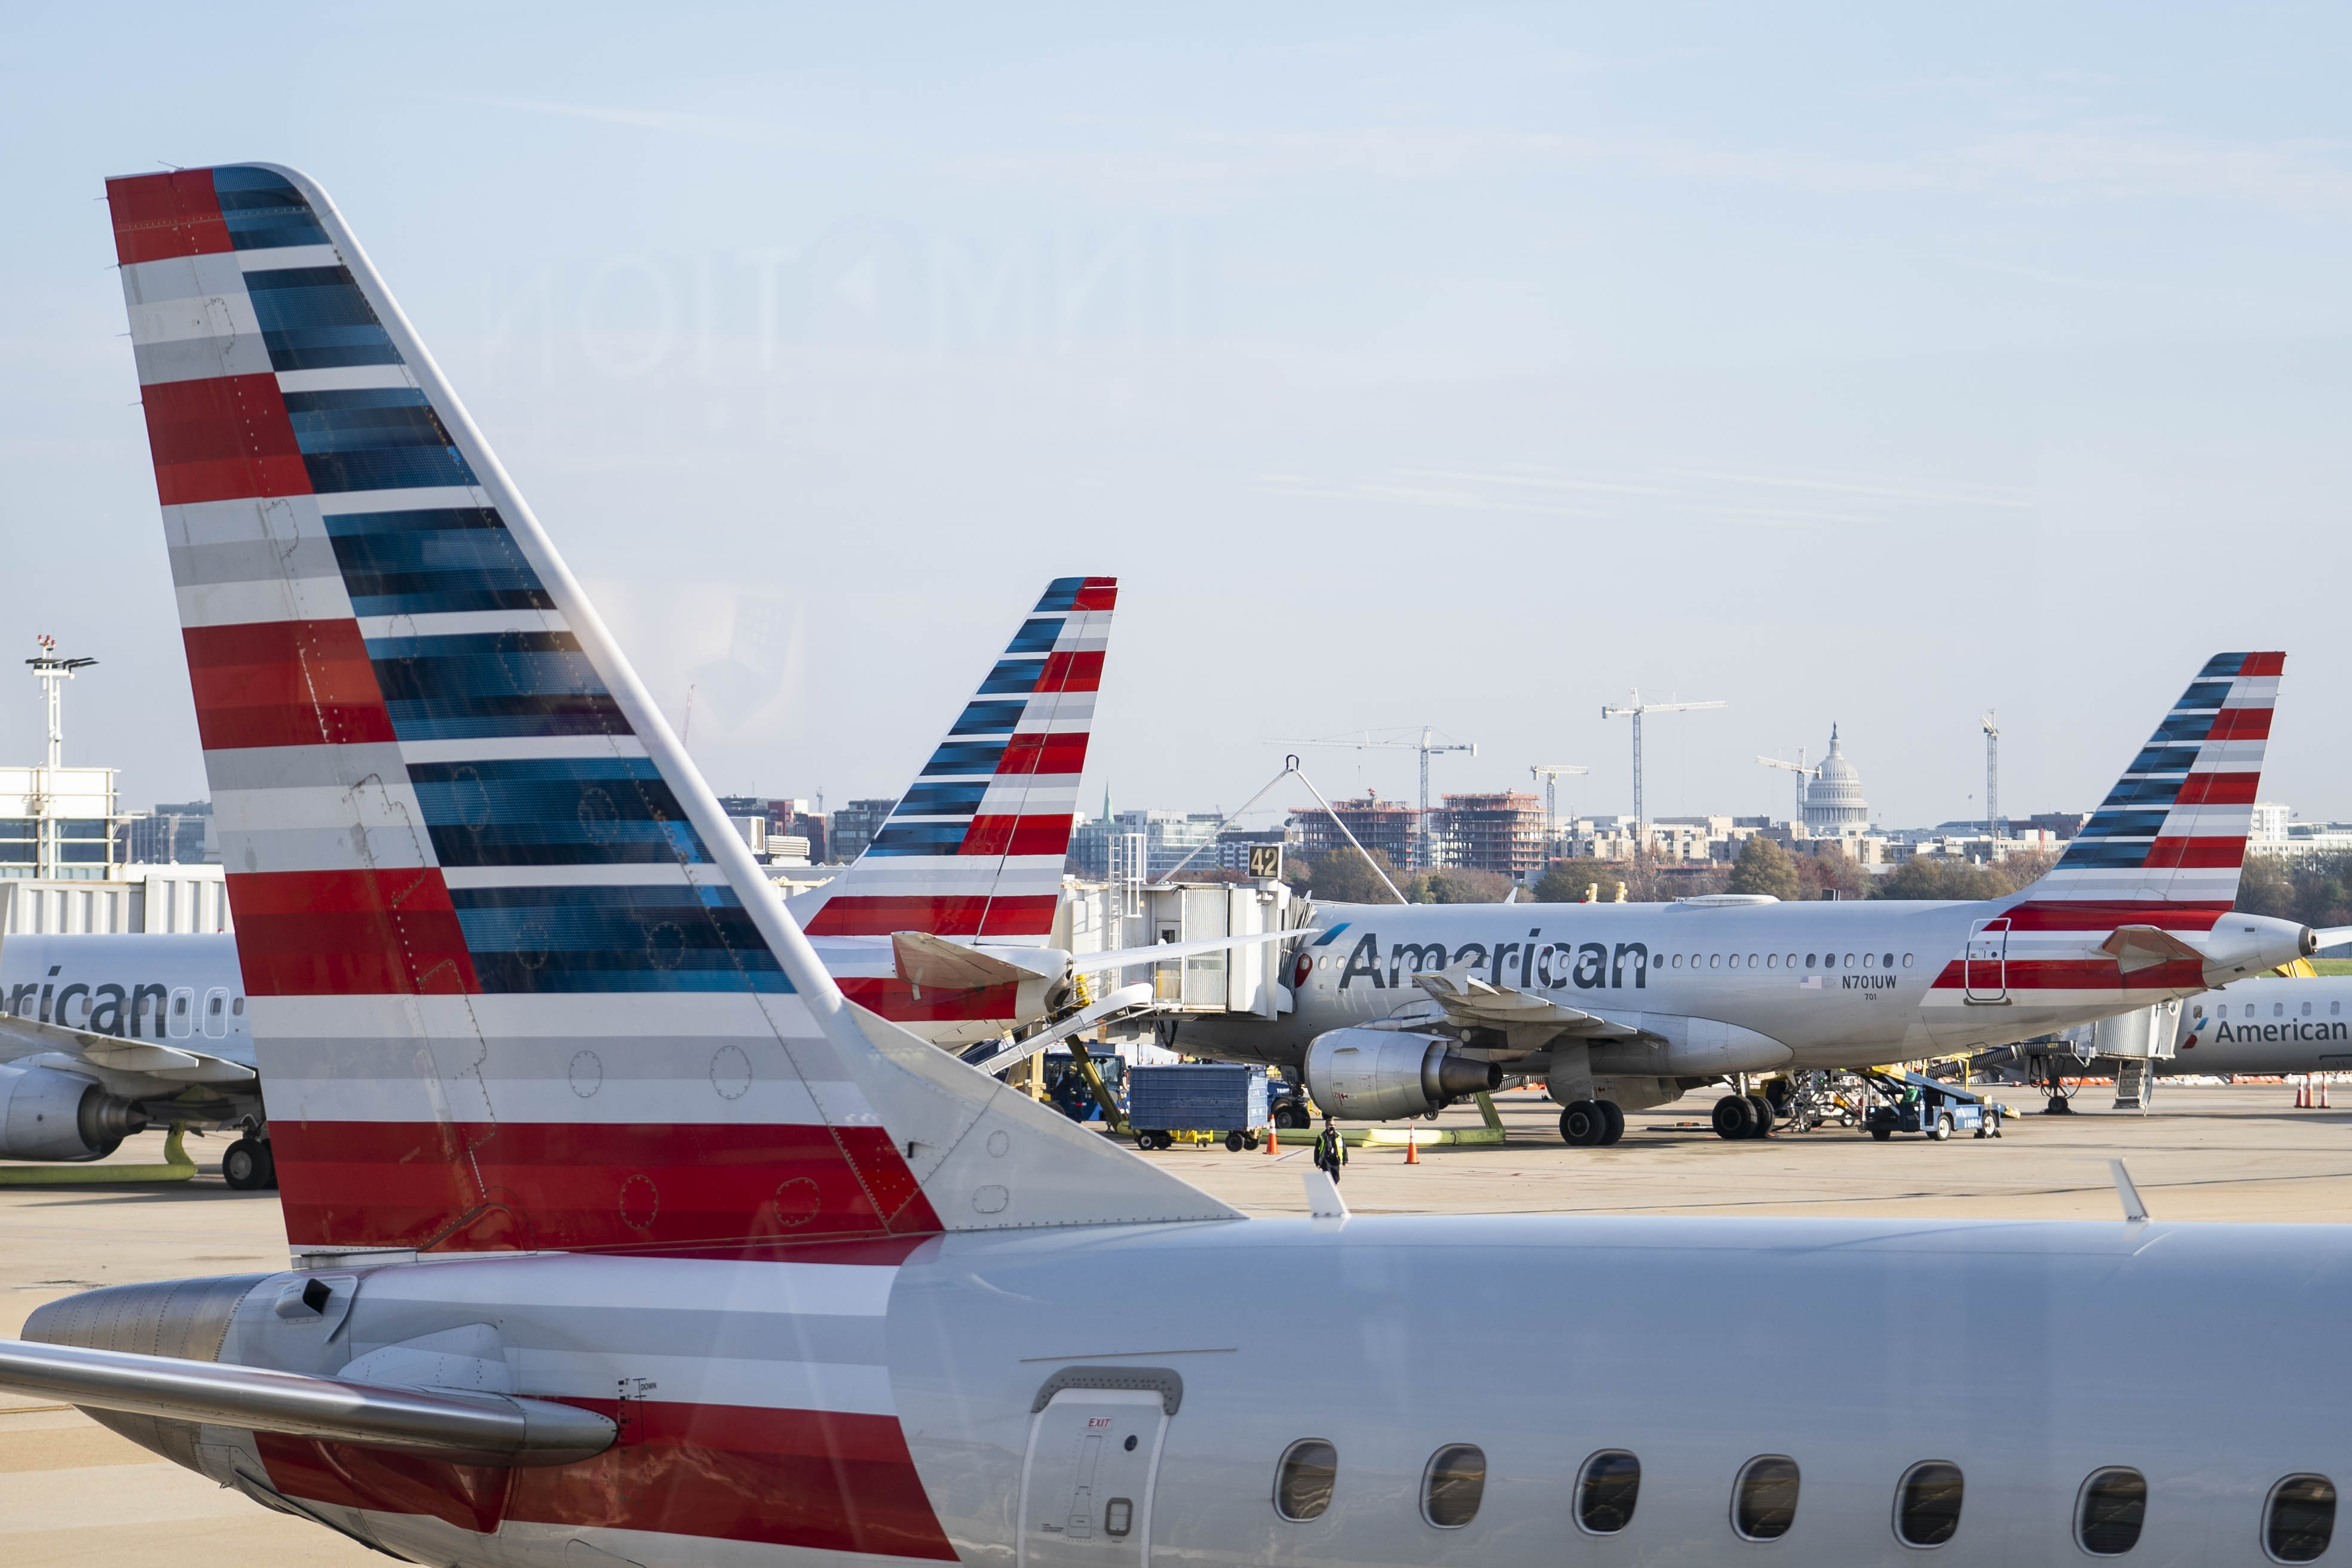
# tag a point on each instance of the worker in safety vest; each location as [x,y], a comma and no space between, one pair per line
[1331,1152]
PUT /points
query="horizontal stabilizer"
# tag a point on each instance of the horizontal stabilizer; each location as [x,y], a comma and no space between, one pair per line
[474,1428]
[934,963]
[2142,947]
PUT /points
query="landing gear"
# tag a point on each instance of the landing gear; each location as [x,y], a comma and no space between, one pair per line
[1616,1121]
[1735,1117]
[249,1165]
[1764,1117]
[1584,1124]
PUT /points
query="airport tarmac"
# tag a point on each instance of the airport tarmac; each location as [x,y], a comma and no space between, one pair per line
[73,1493]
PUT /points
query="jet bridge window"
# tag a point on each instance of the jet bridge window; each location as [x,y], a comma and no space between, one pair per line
[1456,1481]
[1764,1499]
[1302,1486]
[1605,1498]
[2107,1520]
[2301,1519]
[1927,1504]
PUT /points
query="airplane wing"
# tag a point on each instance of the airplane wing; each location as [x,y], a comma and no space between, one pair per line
[1471,1003]
[481,1428]
[939,961]
[174,1063]
[1125,957]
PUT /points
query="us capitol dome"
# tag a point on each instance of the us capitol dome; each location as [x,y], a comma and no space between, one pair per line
[1834,801]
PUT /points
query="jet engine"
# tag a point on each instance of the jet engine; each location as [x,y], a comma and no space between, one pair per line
[1376,1074]
[46,1114]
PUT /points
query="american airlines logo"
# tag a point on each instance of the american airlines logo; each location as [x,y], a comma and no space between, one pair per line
[2274,1033]
[1533,964]
[133,1012]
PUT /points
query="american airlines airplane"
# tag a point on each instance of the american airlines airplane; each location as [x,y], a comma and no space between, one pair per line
[597,1266]
[1397,1010]
[101,1037]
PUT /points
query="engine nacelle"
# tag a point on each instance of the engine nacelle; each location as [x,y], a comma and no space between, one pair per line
[2239,945]
[46,1114]
[1377,1074]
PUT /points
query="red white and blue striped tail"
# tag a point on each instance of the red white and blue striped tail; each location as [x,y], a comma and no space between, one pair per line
[975,846]
[2165,847]
[515,983]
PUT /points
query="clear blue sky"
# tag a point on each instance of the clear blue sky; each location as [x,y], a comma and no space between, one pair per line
[1441,365]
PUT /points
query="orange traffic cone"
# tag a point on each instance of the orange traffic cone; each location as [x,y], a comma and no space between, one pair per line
[2303,1095]
[1274,1138]
[1411,1149]
[2322,1101]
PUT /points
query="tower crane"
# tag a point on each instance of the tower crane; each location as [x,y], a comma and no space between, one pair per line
[1634,711]
[1805,776]
[1992,775]
[1428,746]
[1549,773]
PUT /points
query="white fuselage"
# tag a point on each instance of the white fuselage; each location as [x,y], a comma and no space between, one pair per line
[2272,1024]
[1836,983]
[161,987]
[973,1397]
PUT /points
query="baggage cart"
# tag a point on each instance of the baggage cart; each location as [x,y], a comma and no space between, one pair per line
[1225,1099]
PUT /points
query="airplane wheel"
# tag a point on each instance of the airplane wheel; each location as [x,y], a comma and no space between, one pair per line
[1882,1133]
[1764,1118]
[245,1166]
[1609,1109]
[1583,1123]
[1734,1117]
[1942,1130]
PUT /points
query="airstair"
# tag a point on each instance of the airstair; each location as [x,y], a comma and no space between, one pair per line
[2135,1083]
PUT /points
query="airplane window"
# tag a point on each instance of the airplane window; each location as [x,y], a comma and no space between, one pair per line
[2307,1009]
[1764,1499]
[1927,1504]
[1792,961]
[1612,1484]
[2301,1519]
[1886,962]
[2197,1012]
[2278,1009]
[1829,961]
[1694,961]
[1907,961]
[2113,1504]
[1302,1486]
[1771,961]
[1714,960]
[1456,1482]
[1849,961]
[2333,1008]
[1865,960]
[1119,1516]
[237,1007]
[1809,961]
[1751,961]
[213,1005]
[180,1007]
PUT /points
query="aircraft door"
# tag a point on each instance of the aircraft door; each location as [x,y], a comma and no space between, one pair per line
[181,1018]
[216,1013]
[1095,1436]
[1985,970]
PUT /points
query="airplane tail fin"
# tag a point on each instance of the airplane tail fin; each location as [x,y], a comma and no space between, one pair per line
[2166,847]
[513,981]
[975,846]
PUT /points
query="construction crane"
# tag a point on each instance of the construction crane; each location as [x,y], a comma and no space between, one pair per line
[1549,773]
[1805,776]
[1634,711]
[1992,775]
[1428,746]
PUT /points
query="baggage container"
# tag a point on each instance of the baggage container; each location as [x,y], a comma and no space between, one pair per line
[1225,1099]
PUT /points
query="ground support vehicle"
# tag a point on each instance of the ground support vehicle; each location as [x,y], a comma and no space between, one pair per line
[1913,1102]
[1221,1097]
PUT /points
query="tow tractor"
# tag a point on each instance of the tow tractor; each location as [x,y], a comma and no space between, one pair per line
[1913,1102]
